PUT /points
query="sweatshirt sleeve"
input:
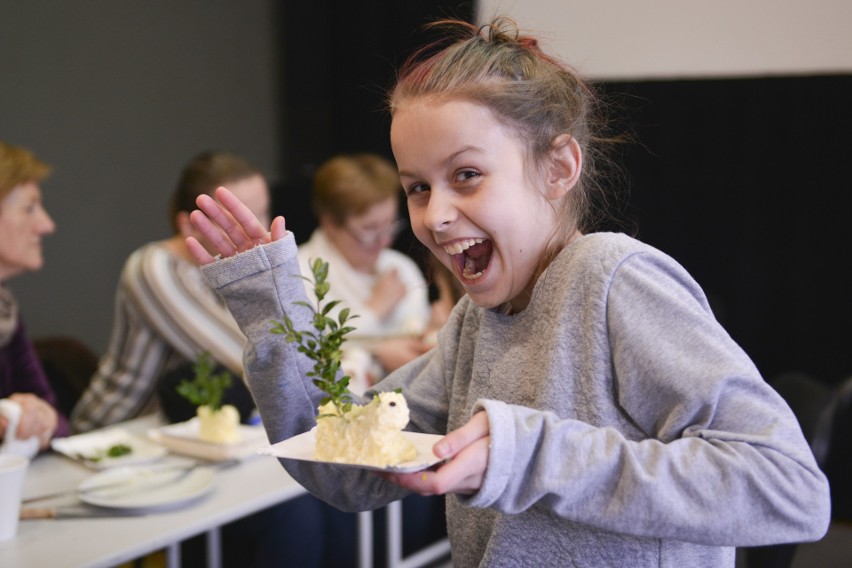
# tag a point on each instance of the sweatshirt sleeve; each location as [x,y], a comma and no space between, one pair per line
[722,460]
[260,286]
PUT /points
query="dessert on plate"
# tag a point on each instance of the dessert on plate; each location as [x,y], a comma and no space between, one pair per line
[218,423]
[369,434]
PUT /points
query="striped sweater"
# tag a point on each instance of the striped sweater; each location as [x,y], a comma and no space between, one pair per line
[165,315]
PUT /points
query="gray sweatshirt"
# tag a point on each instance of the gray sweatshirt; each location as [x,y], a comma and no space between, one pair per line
[627,427]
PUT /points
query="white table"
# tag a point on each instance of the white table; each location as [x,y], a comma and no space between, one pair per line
[253,485]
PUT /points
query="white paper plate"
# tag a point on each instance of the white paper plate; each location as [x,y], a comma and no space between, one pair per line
[301,448]
[183,438]
[86,448]
[146,488]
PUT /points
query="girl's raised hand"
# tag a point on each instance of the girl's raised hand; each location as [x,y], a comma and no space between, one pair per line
[467,452]
[228,227]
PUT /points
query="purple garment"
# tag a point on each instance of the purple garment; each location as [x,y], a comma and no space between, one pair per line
[21,371]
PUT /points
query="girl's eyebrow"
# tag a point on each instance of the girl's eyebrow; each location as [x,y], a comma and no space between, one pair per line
[449,159]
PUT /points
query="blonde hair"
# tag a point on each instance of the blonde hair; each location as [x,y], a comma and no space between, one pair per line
[349,185]
[536,95]
[17,166]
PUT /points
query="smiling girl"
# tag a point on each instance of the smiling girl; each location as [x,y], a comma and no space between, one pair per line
[595,412]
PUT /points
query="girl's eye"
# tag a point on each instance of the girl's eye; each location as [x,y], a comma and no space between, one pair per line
[465,175]
[416,188]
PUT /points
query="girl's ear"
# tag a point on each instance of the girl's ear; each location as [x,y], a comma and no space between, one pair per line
[564,166]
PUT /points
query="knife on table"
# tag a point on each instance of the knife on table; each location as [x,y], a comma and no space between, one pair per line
[71,513]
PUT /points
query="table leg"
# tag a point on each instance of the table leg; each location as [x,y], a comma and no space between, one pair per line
[365,539]
[173,555]
[394,533]
[214,548]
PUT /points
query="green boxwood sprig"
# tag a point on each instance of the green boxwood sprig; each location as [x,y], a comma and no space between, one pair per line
[322,344]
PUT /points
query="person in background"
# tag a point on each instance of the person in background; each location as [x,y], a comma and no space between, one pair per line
[445,294]
[356,201]
[593,410]
[165,313]
[23,224]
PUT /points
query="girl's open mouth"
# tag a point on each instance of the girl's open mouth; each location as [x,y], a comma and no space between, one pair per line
[471,257]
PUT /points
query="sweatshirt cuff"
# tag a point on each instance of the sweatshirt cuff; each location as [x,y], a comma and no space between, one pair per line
[498,472]
[225,271]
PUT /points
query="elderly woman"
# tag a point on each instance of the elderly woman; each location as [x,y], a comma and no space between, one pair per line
[356,200]
[23,223]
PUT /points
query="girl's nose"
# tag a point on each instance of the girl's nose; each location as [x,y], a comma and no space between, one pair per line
[441,211]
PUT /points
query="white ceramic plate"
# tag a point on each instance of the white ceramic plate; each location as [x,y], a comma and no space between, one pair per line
[183,438]
[143,489]
[301,448]
[91,449]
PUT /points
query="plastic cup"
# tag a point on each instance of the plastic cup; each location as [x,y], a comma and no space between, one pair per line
[12,470]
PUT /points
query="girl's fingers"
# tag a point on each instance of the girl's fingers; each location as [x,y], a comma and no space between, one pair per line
[457,440]
[224,222]
[278,229]
[247,230]
[212,234]
[198,252]
[228,227]
[467,450]
[463,474]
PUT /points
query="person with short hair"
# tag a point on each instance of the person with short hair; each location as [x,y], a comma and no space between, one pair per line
[23,223]
[165,313]
[356,200]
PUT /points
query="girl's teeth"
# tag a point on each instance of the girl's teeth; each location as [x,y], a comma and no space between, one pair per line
[461,246]
[468,273]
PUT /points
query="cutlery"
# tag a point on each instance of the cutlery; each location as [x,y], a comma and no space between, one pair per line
[70,513]
[184,470]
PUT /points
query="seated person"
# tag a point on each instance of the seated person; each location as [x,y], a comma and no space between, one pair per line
[356,201]
[166,314]
[23,223]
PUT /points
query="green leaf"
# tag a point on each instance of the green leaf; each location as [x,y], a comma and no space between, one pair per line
[205,388]
[323,344]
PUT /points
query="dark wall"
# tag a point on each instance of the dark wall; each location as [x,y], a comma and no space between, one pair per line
[117,97]
[740,180]
[339,60]
[745,183]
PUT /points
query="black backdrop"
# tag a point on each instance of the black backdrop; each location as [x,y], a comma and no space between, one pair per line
[340,58]
[742,180]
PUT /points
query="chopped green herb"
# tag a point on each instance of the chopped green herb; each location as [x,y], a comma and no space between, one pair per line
[114,451]
[119,450]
